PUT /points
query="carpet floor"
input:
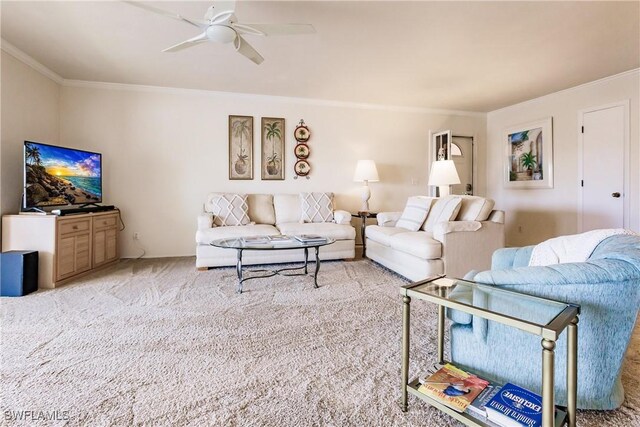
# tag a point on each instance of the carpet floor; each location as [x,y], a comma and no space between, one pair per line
[154,342]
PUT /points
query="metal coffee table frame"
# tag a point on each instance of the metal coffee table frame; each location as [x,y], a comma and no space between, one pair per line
[240,246]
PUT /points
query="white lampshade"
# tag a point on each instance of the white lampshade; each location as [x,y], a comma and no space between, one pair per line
[443,172]
[366,171]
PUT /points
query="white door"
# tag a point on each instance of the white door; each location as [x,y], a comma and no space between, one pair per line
[603,193]
[462,156]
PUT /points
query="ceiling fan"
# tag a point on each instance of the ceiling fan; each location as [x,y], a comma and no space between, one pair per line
[221,25]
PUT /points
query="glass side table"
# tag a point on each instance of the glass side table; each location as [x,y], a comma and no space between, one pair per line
[546,318]
[363,215]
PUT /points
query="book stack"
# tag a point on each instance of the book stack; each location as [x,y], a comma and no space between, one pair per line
[494,404]
[515,406]
[453,387]
[310,238]
[256,240]
[280,240]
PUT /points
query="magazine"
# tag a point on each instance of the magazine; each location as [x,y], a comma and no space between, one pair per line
[277,240]
[256,240]
[310,238]
[453,387]
[480,402]
[422,378]
[515,406]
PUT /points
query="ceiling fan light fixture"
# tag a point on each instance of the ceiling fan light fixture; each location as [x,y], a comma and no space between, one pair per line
[221,33]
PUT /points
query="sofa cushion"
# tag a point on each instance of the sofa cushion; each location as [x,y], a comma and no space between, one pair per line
[228,209]
[205,237]
[316,207]
[287,208]
[417,243]
[325,229]
[444,209]
[415,212]
[261,209]
[381,234]
[474,208]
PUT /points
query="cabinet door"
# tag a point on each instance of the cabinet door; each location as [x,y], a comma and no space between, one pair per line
[99,248]
[73,256]
[111,244]
[65,257]
[82,252]
[105,239]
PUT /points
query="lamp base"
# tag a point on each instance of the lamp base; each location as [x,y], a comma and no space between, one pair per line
[365,195]
[444,190]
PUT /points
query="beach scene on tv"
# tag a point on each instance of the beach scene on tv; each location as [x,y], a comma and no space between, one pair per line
[61,176]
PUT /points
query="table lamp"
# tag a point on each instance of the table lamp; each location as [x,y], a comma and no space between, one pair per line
[443,174]
[366,172]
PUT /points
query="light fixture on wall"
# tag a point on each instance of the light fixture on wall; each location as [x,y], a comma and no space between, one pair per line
[443,174]
[366,172]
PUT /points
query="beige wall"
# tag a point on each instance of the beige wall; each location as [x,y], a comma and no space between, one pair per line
[164,150]
[29,112]
[536,215]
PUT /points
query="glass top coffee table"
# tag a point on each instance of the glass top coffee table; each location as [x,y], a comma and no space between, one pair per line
[263,243]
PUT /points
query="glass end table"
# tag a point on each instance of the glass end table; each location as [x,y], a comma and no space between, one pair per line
[544,317]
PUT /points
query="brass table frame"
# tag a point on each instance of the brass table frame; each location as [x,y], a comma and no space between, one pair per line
[567,319]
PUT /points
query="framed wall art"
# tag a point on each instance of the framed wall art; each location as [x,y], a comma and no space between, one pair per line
[240,147]
[529,155]
[272,148]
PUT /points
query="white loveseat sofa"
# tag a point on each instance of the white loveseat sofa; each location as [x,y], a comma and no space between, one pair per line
[452,247]
[271,215]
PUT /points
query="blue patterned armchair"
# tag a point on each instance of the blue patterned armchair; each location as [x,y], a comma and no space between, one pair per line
[607,287]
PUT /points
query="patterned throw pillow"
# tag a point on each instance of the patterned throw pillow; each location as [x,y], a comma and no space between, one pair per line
[415,212]
[229,209]
[317,207]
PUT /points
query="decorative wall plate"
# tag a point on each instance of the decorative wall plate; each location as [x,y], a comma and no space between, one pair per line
[302,133]
[302,168]
[302,151]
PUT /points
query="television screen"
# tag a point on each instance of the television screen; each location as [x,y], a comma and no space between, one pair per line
[55,176]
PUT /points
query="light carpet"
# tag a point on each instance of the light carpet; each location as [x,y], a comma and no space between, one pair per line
[154,342]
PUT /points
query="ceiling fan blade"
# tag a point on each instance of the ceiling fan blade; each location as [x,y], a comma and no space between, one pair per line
[247,50]
[218,8]
[143,5]
[187,43]
[274,29]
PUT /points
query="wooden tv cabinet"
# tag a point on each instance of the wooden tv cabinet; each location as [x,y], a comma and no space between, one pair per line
[69,246]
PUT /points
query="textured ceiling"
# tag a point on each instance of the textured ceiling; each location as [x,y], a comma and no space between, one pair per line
[475,56]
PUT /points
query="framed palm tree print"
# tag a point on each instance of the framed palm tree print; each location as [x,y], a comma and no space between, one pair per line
[240,147]
[272,148]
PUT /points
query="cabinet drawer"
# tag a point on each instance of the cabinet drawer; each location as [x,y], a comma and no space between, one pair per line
[68,227]
[105,222]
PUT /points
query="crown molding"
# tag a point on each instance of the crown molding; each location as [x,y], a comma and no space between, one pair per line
[47,72]
[30,61]
[570,89]
[272,98]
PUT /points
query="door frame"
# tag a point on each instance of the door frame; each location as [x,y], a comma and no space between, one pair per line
[626,163]
[431,191]
[474,157]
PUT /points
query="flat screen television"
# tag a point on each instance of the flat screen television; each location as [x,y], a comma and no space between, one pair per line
[57,176]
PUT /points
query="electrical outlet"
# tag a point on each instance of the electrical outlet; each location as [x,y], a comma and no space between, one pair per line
[136,236]
[414,181]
